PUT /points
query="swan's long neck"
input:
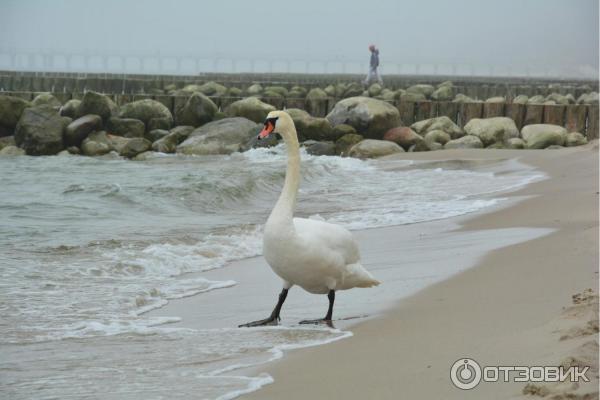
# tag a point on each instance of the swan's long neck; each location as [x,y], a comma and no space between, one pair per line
[284,208]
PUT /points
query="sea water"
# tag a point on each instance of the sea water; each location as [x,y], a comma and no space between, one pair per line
[90,245]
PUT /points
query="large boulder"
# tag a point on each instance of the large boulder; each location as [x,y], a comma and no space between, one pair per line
[254,90]
[575,139]
[370,117]
[371,148]
[182,132]
[345,143]
[437,136]
[277,89]
[40,131]
[212,89]
[443,93]
[11,109]
[316,102]
[540,136]
[311,128]
[588,98]
[320,148]
[492,130]
[134,146]
[79,129]
[250,108]
[375,89]
[224,136]
[351,90]
[515,143]
[167,144]
[97,104]
[12,151]
[403,136]
[146,111]
[465,142]
[46,99]
[412,96]
[558,98]
[7,141]
[96,144]
[537,99]
[70,108]
[521,99]
[156,134]
[126,127]
[439,123]
[496,99]
[425,90]
[196,111]
[463,98]
[297,92]
[387,95]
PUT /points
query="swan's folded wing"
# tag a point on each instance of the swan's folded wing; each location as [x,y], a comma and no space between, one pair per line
[324,237]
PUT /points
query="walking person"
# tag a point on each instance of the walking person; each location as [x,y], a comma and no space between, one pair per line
[373,73]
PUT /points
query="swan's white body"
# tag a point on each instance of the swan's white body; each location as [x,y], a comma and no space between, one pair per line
[315,255]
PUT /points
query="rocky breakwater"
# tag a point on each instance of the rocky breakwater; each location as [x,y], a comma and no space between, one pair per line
[357,126]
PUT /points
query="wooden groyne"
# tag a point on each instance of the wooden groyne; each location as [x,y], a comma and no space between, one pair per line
[475,87]
[582,118]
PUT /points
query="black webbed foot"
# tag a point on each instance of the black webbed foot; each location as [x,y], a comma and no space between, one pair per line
[262,322]
[320,321]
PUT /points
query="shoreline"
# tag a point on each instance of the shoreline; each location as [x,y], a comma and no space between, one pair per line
[516,319]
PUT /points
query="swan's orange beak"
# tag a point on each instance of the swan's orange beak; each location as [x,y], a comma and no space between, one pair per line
[269,126]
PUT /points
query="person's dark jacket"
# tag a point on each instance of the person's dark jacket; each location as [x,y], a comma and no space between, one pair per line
[374,58]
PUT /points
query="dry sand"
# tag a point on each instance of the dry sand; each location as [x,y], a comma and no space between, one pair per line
[514,308]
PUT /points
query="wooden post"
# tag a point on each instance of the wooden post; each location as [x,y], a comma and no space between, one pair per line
[575,118]
[592,127]
[448,109]
[516,112]
[423,110]
[294,103]
[493,110]
[137,97]
[554,114]
[468,111]
[533,114]
[407,112]
[121,99]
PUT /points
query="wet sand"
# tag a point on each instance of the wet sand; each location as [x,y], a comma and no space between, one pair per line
[515,307]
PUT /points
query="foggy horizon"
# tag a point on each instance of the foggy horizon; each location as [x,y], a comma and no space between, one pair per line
[557,38]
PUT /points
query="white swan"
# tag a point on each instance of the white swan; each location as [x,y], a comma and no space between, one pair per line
[318,256]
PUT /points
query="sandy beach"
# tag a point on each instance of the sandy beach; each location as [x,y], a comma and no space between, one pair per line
[515,307]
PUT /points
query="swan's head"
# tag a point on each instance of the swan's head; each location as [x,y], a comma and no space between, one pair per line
[278,122]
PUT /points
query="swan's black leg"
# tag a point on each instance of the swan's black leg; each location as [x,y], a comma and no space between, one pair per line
[327,319]
[274,318]
[331,297]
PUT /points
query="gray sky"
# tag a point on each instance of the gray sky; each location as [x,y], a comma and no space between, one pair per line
[559,36]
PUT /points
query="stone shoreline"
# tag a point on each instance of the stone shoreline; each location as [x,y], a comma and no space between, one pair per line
[363,124]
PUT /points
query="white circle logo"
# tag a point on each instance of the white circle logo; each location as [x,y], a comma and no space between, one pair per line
[465,373]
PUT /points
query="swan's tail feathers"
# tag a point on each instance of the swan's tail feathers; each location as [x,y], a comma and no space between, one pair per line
[359,277]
